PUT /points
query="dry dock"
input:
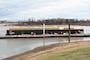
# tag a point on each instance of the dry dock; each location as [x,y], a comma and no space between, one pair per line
[41,36]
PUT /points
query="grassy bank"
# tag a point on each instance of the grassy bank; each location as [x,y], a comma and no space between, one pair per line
[78,54]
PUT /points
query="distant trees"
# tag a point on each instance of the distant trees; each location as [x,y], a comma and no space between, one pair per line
[3,21]
[53,21]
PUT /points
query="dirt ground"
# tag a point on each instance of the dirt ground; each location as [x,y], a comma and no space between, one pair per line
[50,49]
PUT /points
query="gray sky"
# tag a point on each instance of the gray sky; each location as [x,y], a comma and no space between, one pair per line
[40,9]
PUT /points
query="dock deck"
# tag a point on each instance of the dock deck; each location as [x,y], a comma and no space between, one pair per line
[46,35]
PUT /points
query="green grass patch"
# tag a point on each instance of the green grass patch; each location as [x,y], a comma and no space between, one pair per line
[78,54]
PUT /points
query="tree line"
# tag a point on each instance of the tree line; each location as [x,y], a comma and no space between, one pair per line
[54,21]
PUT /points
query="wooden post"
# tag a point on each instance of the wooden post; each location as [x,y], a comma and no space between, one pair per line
[43,34]
[69,32]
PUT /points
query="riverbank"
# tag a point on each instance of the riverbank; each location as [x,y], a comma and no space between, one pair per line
[49,50]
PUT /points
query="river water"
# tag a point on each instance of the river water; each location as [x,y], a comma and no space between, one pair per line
[10,47]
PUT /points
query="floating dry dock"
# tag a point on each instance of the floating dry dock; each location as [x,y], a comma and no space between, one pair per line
[41,36]
[44,31]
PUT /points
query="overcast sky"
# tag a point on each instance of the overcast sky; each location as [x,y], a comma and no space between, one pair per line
[40,9]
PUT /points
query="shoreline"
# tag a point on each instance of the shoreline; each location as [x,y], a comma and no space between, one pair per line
[42,50]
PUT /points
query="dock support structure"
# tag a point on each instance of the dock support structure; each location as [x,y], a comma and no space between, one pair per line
[43,34]
[69,32]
